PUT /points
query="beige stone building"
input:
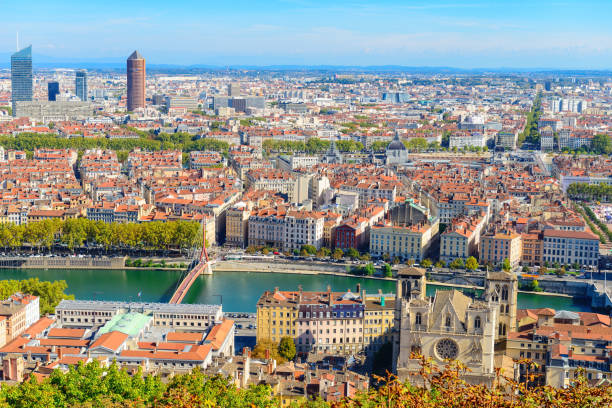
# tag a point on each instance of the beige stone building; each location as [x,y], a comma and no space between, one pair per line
[495,248]
[236,225]
[448,325]
[410,242]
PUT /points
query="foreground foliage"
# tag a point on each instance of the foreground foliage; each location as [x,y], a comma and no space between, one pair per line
[50,293]
[94,386]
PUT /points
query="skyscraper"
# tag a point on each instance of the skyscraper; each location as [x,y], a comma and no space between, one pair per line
[21,76]
[135,81]
[53,90]
[233,89]
[81,84]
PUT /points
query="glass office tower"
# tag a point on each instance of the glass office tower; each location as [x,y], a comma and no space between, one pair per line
[21,76]
[81,85]
[53,90]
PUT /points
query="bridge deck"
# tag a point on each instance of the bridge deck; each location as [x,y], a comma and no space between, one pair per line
[199,269]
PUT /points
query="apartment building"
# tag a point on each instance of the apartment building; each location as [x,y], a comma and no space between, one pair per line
[236,225]
[15,316]
[456,205]
[327,322]
[286,229]
[462,238]
[499,246]
[378,321]
[462,140]
[272,180]
[532,249]
[293,162]
[561,343]
[32,306]
[568,247]
[506,140]
[411,242]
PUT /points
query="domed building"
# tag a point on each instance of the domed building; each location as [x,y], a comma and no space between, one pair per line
[396,152]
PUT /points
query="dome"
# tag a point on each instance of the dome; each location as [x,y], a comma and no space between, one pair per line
[396,145]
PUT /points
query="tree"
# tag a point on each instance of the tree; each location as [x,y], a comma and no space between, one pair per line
[264,346]
[323,252]
[457,264]
[525,269]
[410,262]
[426,263]
[368,270]
[506,265]
[601,144]
[388,271]
[50,293]
[338,254]
[286,348]
[440,264]
[365,256]
[471,264]
[352,253]
[309,249]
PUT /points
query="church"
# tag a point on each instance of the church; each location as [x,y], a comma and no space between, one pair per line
[451,325]
[396,152]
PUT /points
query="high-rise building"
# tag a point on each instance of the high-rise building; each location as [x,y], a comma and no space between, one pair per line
[21,76]
[135,81]
[233,89]
[53,90]
[81,84]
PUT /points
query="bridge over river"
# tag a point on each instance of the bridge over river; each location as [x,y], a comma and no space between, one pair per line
[200,266]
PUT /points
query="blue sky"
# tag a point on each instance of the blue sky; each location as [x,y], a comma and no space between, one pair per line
[477,33]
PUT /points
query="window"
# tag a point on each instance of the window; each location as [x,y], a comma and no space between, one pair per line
[448,321]
[477,322]
[418,318]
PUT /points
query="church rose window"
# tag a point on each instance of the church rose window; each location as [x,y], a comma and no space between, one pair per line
[447,349]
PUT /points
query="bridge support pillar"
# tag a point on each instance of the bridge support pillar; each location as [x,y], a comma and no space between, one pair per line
[207,270]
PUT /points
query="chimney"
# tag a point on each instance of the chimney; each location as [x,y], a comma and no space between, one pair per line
[267,354]
[60,353]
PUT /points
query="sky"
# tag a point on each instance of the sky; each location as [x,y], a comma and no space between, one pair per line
[559,34]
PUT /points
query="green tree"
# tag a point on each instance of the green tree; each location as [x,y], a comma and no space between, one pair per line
[506,265]
[50,293]
[286,348]
[338,254]
[387,270]
[457,264]
[309,249]
[471,264]
[426,263]
[601,144]
[352,253]
[368,269]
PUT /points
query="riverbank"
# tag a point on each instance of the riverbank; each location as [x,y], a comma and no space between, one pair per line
[336,270]
[293,268]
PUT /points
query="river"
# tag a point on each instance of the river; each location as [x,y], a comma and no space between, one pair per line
[238,290]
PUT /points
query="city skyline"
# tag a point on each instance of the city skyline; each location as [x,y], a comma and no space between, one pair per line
[478,34]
